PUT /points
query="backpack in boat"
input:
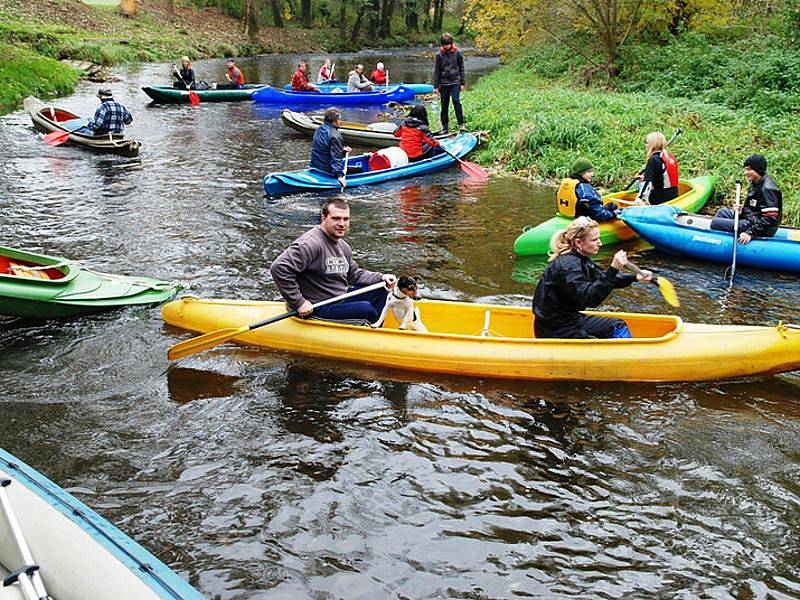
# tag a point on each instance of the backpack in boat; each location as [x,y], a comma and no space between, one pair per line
[567,197]
[202,86]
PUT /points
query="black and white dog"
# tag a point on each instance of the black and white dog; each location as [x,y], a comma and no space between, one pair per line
[401,302]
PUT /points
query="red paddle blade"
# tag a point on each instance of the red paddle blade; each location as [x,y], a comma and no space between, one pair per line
[56,138]
[474,170]
[194,99]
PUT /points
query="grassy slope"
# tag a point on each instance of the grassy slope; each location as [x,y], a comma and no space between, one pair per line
[23,72]
[540,123]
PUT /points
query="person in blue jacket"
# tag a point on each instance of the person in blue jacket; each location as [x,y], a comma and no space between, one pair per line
[327,148]
[590,203]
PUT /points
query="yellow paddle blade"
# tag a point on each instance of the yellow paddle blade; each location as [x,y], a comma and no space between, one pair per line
[205,341]
[668,291]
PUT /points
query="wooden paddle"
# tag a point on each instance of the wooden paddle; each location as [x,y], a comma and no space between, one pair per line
[672,139]
[664,285]
[214,338]
[194,99]
[471,169]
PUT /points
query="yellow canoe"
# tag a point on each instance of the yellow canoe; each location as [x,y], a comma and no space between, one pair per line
[663,348]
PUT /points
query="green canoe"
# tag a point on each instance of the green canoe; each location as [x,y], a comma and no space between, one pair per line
[169,95]
[693,194]
[46,287]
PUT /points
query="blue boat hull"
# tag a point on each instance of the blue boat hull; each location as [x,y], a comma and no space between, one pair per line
[308,180]
[679,233]
[153,575]
[272,95]
[419,88]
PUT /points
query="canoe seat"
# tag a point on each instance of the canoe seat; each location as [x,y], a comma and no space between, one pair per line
[19,270]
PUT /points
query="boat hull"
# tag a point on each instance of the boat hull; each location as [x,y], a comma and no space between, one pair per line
[81,556]
[271,95]
[48,119]
[166,94]
[664,349]
[73,290]
[417,88]
[308,180]
[694,193]
[675,232]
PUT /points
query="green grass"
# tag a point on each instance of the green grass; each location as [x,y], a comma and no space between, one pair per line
[24,72]
[540,126]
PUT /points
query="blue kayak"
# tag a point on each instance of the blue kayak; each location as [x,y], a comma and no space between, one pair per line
[676,232]
[419,88]
[395,93]
[309,180]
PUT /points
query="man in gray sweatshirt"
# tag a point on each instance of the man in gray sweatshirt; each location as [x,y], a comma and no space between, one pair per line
[319,265]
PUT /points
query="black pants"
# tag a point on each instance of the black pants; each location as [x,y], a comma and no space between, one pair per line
[724,221]
[447,92]
[589,328]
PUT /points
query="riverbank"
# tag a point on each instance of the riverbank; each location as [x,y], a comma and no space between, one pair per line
[539,125]
[35,36]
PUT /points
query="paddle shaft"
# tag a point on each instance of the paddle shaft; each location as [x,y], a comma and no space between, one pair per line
[214,338]
[672,139]
[735,229]
[344,174]
[639,271]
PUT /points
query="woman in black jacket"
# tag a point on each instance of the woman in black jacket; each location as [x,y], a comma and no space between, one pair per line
[184,79]
[572,283]
[660,176]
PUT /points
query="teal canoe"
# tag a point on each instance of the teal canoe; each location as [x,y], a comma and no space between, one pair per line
[53,546]
[167,94]
[693,194]
[47,287]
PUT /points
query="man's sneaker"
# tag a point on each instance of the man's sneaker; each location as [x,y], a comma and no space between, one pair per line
[462,128]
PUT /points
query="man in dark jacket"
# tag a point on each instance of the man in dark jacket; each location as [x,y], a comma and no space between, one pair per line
[448,80]
[327,148]
[760,214]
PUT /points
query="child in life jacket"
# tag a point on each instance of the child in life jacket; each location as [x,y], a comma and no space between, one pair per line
[415,137]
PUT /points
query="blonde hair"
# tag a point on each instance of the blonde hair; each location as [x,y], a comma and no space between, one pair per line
[656,142]
[563,241]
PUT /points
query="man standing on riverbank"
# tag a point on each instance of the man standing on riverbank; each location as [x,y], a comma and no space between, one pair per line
[319,265]
[448,81]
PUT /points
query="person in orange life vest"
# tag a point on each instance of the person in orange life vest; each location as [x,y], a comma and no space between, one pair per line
[379,74]
[234,77]
[414,134]
[300,79]
[660,177]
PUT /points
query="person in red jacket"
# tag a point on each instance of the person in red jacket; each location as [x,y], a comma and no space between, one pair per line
[300,79]
[414,135]
[379,75]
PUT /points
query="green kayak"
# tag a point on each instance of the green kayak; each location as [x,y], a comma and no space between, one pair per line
[692,195]
[46,287]
[169,95]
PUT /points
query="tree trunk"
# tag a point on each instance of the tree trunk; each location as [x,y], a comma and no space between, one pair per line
[253,23]
[438,16]
[357,25]
[412,18]
[305,9]
[426,19]
[386,18]
[374,17]
[171,8]
[277,15]
[343,19]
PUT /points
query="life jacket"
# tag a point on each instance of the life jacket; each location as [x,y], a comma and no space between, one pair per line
[236,75]
[671,172]
[567,197]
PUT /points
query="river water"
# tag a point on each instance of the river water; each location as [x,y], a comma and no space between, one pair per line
[255,474]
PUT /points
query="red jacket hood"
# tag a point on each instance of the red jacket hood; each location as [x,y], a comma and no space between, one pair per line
[443,50]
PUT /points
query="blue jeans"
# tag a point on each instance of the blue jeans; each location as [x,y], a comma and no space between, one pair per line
[447,92]
[724,221]
[367,306]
